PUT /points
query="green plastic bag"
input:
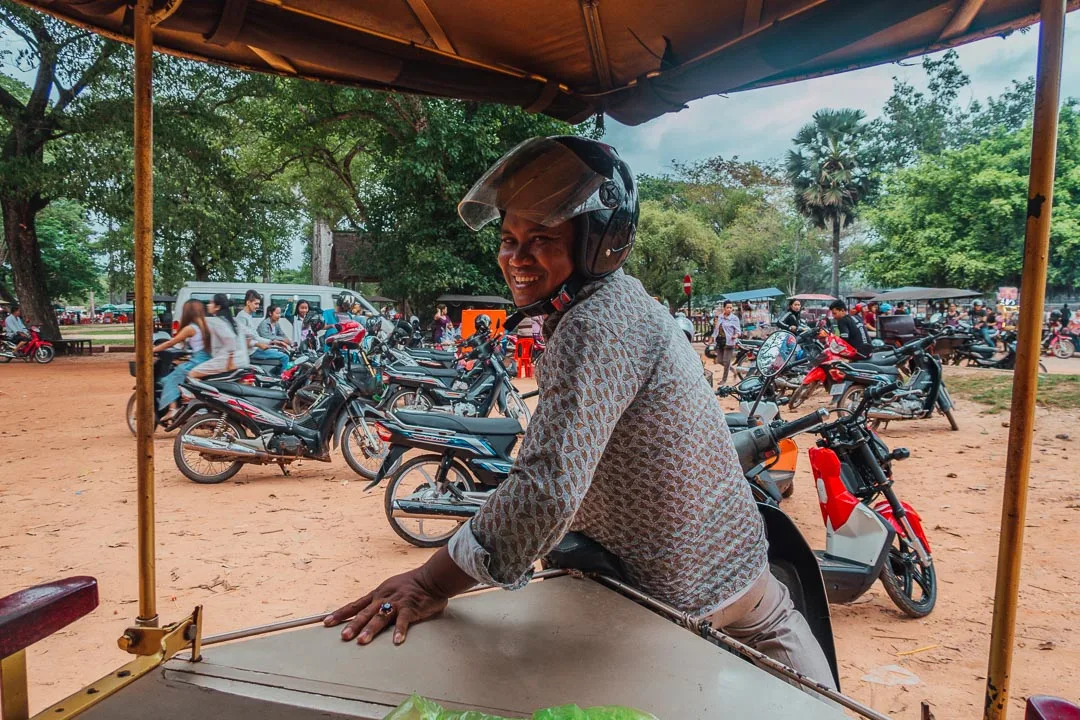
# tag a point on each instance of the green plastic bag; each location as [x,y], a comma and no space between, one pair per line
[418,708]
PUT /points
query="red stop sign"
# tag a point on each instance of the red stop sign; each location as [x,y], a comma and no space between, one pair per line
[686,284]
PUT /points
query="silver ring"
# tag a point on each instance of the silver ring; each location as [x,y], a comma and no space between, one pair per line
[386,609]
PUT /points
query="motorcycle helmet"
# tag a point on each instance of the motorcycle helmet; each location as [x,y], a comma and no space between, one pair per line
[977,303]
[884,308]
[482,324]
[552,180]
[314,322]
[858,307]
[685,325]
[345,301]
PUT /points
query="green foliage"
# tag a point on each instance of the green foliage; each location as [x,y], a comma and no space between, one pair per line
[957,219]
[830,173]
[672,243]
[394,167]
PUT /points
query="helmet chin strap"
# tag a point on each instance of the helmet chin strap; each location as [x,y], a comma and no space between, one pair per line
[559,301]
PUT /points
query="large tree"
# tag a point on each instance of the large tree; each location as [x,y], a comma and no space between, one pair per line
[65,61]
[394,167]
[830,173]
[672,243]
[957,218]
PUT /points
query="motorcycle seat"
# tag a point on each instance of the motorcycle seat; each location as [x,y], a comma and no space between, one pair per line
[249,391]
[431,372]
[432,354]
[983,349]
[457,423]
[885,357]
[875,368]
[737,420]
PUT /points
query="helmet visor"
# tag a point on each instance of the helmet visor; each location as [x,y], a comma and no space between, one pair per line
[542,180]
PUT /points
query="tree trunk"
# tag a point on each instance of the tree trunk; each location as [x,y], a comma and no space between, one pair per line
[27,270]
[836,257]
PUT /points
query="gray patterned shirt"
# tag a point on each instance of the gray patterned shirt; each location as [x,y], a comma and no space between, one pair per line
[628,446]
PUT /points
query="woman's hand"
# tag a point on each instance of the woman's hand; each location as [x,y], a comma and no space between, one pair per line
[410,601]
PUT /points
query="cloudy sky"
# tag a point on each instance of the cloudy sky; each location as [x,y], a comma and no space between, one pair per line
[759,125]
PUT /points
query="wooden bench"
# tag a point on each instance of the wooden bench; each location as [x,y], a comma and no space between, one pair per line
[74,346]
[31,615]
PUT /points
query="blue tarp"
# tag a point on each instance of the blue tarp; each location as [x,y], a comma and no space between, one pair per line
[760,294]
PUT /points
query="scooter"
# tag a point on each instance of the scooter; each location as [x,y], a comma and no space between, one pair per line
[36,349]
[870,533]
[834,348]
[921,387]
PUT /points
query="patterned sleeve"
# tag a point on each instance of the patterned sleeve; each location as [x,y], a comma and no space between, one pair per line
[589,377]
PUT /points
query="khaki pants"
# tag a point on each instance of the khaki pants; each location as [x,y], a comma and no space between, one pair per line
[764,618]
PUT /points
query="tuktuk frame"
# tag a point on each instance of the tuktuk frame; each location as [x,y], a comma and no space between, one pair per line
[633,60]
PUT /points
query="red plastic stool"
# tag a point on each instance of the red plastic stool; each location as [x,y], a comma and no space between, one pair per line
[523,352]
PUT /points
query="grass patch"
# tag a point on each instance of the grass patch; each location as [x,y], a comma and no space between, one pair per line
[995,391]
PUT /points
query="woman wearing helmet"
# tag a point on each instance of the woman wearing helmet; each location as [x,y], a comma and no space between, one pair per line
[628,445]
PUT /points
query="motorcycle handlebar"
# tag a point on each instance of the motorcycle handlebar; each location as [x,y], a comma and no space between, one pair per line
[790,429]
[878,391]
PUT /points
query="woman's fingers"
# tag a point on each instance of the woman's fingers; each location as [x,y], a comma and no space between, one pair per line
[347,611]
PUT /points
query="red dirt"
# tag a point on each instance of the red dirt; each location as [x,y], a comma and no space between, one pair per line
[264,547]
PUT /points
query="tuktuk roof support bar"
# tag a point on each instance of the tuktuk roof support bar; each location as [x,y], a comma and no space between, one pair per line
[144,308]
[1025,377]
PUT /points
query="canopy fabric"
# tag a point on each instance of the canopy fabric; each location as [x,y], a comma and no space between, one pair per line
[862,294]
[926,294]
[380,299]
[812,296]
[633,59]
[747,295]
[474,299]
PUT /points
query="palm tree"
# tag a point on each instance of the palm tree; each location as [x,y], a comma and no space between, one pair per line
[829,169]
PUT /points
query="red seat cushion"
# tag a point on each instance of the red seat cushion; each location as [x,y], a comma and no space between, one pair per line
[36,613]
[1044,707]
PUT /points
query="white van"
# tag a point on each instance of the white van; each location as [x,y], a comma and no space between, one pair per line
[284,295]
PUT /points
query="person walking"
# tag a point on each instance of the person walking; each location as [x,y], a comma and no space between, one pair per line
[729,329]
[439,325]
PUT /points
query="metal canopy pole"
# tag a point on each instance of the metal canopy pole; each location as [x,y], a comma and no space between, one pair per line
[1025,377]
[144,307]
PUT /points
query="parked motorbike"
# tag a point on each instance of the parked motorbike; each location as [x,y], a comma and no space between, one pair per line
[36,349]
[1057,343]
[230,424]
[920,384]
[833,349]
[474,392]
[870,533]
[759,404]
[1007,361]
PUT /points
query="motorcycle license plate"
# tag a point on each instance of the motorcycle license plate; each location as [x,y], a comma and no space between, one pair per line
[836,390]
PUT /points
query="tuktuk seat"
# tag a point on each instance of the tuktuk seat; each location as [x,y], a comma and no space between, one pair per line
[558,641]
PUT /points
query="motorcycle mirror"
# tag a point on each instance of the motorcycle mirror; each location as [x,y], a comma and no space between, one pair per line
[935,318]
[775,353]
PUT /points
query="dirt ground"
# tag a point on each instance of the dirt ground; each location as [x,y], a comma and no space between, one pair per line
[264,547]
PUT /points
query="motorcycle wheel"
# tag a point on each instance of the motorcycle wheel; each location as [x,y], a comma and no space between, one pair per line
[1042,368]
[192,464]
[408,400]
[44,354]
[904,577]
[417,477]
[801,394]
[516,409]
[851,397]
[1064,349]
[131,413]
[363,450]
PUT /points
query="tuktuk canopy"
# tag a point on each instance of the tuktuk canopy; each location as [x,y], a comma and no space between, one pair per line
[748,295]
[916,294]
[819,297]
[632,59]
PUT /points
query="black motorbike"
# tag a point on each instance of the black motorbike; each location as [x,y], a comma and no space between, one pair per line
[920,390]
[474,392]
[229,424]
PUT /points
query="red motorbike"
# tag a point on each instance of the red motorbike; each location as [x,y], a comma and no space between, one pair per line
[822,373]
[35,349]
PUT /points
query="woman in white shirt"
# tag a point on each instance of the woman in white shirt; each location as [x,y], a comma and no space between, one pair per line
[194,331]
[228,346]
